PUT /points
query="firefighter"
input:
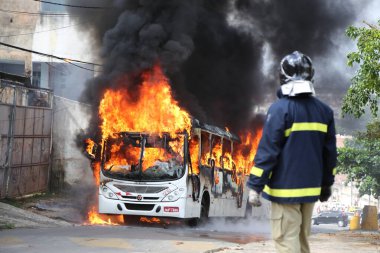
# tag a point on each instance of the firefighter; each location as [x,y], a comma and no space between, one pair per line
[296,158]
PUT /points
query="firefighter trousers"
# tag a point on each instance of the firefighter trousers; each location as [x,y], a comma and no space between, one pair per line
[291,225]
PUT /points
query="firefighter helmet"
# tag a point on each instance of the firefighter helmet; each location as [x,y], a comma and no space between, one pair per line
[296,66]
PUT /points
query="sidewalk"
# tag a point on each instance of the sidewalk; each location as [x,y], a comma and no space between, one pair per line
[342,242]
[13,217]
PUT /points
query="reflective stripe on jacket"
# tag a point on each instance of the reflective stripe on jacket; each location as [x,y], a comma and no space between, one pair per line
[297,152]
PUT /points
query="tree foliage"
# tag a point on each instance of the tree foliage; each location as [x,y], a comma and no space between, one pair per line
[360,160]
[365,88]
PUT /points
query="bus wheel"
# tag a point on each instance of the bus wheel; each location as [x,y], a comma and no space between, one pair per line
[193,222]
[204,209]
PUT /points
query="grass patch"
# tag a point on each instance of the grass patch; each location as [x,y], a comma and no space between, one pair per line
[20,202]
[7,226]
[12,202]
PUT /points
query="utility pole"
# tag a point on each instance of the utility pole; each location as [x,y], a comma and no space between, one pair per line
[351,183]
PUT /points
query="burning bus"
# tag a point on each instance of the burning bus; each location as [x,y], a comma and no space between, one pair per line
[154,160]
[171,175]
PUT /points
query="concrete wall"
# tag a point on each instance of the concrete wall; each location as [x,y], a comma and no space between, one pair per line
[58,35]
[67,40]
[16,23]
[69,165]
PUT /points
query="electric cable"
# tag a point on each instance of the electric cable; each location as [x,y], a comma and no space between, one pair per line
[35,13]
[21,34]
[69,5]
[76,65]
[68,60]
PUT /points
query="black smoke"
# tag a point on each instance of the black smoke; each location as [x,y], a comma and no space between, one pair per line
[212,50]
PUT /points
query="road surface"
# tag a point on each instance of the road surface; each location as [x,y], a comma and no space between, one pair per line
[218,236]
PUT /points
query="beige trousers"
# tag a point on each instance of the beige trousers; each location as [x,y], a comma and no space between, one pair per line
[291,224]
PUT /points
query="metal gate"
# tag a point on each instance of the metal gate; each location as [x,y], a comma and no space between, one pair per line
[25,139]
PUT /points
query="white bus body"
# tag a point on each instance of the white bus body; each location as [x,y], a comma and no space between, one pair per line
[190,195]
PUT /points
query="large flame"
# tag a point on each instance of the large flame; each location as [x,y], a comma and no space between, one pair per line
[246,151]
[155,110]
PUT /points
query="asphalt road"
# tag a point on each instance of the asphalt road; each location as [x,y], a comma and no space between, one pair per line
[218,236]
[122,239]
[327,228]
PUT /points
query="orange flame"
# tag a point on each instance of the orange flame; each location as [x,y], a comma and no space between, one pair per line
[101,219]
[194,153]
[94,218]
[246,151]
[241,156]
[154,111]
[89,147]
[150,220]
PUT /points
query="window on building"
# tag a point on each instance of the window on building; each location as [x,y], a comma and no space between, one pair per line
[36,78]
[12,67]
[45,7]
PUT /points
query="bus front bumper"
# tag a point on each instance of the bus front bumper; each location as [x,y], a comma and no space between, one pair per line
[175,209]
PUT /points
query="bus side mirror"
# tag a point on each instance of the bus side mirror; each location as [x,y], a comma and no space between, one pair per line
[91,149]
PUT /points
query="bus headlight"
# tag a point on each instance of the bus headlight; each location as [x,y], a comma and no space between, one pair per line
[172,196]
[106,192]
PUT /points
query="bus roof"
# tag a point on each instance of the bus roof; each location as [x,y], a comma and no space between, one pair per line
[215,130]
[195,124]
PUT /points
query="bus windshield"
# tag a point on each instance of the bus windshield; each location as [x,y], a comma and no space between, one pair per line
[144,157]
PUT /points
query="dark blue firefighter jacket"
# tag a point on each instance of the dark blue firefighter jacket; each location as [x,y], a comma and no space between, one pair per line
[297,152]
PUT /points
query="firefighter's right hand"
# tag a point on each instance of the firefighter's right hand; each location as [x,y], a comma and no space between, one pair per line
[254,198]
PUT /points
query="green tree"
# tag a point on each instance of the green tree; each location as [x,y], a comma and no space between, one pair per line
[360,160]
[365,88]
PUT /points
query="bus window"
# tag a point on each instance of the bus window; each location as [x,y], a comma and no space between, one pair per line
[216,153]
[194,150]
[205,148]
[227,154]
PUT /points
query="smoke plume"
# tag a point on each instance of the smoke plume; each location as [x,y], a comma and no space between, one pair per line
[213,51]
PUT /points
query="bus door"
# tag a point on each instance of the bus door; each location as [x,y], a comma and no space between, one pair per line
[216,164]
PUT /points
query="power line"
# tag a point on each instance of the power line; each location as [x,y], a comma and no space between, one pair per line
[48,55]
[81,67]
[54,29]
[56,68]
[69,5]
[35,13]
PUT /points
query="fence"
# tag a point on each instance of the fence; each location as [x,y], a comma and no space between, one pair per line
[25,139]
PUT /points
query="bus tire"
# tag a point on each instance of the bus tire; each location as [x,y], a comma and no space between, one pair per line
[205,207]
